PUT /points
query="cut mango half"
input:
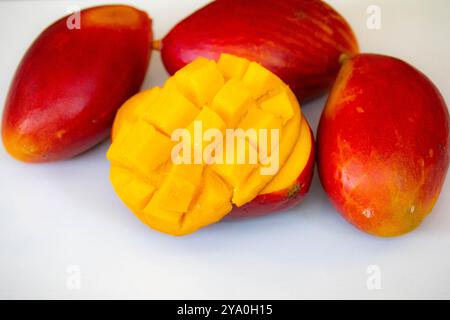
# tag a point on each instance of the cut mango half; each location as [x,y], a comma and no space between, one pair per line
[240,125]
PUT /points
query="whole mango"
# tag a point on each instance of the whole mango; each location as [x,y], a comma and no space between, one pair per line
[73,78]
[383,145]
[301,41]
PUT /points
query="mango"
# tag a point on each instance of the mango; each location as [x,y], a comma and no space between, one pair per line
[178,198]
[65,93]
[301,41]
[178,111]
[140,154]
[232,101]
[291,184]
[383,145]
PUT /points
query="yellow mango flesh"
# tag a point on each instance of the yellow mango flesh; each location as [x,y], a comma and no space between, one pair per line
[135,148]
[233,93]
[232,67]
[199,81]
[170,110]
[232,102]
[279,105]
[134,108]
[235,172]
[296,162]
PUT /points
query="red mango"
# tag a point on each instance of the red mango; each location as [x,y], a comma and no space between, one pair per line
[302,41]
[70,83]
[383,145]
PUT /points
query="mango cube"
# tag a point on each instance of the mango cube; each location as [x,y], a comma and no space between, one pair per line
[209,120]
[232,102]
[236,167]
[259,80]
[200,81]
[137,193]
[144,101]
[175,194]
[188,172]
[259,120]
[135,107]
[143,148]
[121,128]
[232,66]
[205,120]
[119,177]
[211,205]
[172,110]
[249,190]
[279,105]
[162,220]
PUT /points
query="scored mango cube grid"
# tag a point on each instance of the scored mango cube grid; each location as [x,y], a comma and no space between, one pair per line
[279,106]
[232,102]
[199,81]
[232,67]
[177,112]
[236,173]
[232,93]
[140,154]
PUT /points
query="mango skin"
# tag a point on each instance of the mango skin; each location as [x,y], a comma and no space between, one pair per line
[383,145]
[70,83]
[301,41]
[281,200]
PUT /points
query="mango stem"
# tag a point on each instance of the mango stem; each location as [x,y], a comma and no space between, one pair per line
[344,57]
[156,45]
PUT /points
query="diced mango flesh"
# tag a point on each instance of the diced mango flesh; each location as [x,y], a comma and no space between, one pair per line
[280,105]
[174,194]
[171,110]
[236,166]
[296,162]
[200,81]
[206,120]
[138,193]
[134,108]
[212,204]
[230,94]
[136,148]
[189,172]
[257,181]
[162,220]
[232,102]
[265,124]
[232,67]
[259,80]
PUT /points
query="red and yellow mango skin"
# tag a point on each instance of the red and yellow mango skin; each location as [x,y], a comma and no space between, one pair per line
[301,41]
[383,145]
[281,200]
[70,83]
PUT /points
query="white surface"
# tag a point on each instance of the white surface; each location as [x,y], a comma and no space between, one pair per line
[64,214]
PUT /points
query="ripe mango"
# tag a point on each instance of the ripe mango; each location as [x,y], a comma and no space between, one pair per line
[70,83]
[301,41]
[383,145]
[180,198]
[291,184]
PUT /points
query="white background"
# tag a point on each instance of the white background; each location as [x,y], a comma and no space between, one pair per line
[58,215]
